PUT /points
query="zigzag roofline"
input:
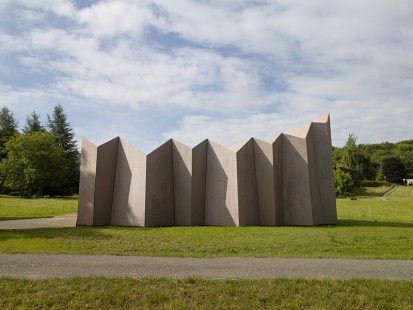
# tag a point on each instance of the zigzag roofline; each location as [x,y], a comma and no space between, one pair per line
[299,132]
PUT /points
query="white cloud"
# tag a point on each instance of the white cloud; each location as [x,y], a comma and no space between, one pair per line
[110,18]
[236,69]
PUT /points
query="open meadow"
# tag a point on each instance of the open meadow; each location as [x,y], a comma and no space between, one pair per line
[369,227]
[15,208]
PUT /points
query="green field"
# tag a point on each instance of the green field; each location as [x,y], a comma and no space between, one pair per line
[368,228]
[152,293]
[14,208]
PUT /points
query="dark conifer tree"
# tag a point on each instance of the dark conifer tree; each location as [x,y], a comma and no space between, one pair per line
[60,128]
[33,124]
[8,128]
[393,169]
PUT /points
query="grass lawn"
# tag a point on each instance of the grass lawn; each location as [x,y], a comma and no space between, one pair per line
[13,208]
[371,191]
[153,293]
[368,228]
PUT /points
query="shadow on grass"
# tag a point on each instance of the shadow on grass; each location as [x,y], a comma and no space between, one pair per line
[44,197]
[360,223]
[364,193]
[12,218]
[68,198]
[80,233]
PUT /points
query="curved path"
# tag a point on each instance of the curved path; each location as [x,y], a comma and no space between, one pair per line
[53,266]
[68,220]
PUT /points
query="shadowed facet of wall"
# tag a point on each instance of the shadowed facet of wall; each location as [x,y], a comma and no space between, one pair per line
[287,180]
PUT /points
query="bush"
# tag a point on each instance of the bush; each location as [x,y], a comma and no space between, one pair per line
[343,183]
[35,164]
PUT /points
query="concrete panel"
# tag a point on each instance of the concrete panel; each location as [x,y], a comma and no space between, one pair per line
[263,156]
[278,160]
[296,183]
[105,181]
[198,184]
[322,183]
[221,197]
[160,187]
[248,209]
[313,177]
[128,208]
[88,159]
[182,174]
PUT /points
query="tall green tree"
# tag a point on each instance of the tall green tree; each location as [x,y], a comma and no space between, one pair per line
[8,128]
[35,164]
[60,128]
[33,124]
[351,152]
[393,169]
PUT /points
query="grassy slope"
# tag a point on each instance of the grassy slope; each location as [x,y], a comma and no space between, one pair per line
[104,293]
[368,228]
[12,208]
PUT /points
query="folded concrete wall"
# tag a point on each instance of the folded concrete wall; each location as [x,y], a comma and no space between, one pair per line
[189,172]
[248,208]
[322,183]
[105,181]
[221,197]
[182,174]
[159,204]
[287,180]
[86,203]
[296,195]
[198,183]
[128,204]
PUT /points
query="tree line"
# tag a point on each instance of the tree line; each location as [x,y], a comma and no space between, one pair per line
[41,159]
[371,164]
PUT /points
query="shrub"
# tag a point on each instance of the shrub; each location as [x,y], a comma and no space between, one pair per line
[343,183]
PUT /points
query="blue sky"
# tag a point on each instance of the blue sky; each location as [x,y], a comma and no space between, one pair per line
[219,69]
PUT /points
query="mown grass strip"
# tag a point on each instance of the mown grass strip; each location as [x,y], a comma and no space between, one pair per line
[14,208]
[192,293]
[351,239]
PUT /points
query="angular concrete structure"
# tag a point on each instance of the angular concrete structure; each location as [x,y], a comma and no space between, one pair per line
[87,180]
[287,180]
[159,204]
[97,176]
[129,192]
[189,171]
[268,163]
[221,199]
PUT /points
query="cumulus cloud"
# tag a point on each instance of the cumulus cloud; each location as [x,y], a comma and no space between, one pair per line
[226,69]
[110,18]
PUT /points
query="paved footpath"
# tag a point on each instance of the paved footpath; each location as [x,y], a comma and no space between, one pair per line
[68,220]
[56,266]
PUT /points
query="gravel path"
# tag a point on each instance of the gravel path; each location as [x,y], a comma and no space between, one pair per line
[68,220]
[55,266]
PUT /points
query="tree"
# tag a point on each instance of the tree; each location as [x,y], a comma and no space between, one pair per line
[60,128]
[34,164]
[343,183]
[393,170]
[8,128]
[351,152]
[33,124]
